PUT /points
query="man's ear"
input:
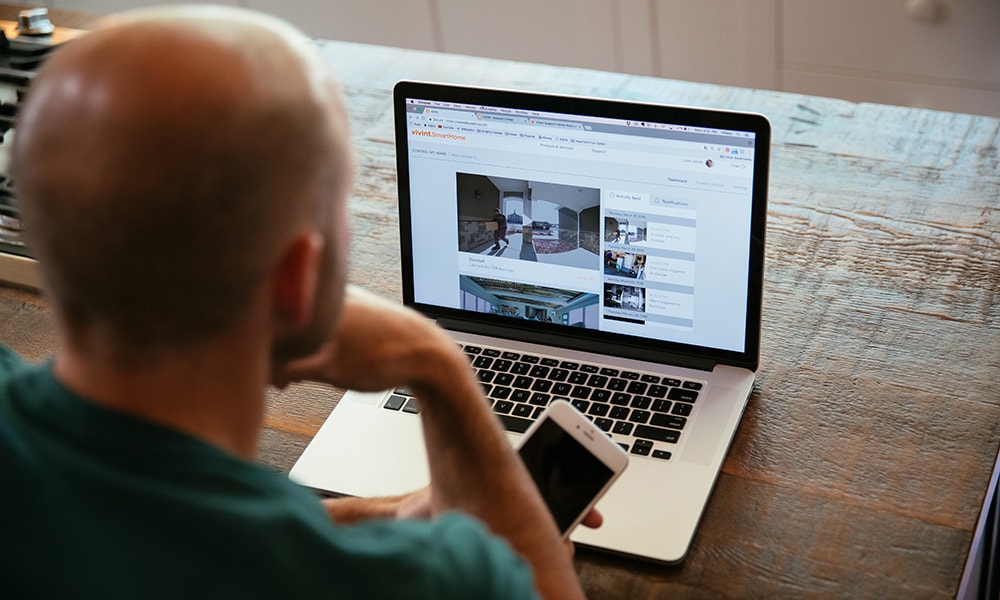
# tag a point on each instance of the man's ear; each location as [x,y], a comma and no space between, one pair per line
[296,277]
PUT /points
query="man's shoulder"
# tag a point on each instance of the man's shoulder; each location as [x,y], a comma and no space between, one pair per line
[10,362]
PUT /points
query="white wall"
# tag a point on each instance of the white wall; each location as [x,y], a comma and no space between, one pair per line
[942,54]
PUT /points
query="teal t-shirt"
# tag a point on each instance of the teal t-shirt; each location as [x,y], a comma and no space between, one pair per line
[97,504]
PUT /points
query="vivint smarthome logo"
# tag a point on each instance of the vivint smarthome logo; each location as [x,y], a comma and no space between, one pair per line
[437,134]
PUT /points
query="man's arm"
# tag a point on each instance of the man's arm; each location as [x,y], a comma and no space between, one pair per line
[380,345]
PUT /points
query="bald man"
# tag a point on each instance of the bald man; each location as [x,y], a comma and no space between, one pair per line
[182,174]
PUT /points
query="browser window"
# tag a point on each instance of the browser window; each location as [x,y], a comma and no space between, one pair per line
[630,227]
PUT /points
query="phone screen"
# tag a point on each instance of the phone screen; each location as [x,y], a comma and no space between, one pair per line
[566,473]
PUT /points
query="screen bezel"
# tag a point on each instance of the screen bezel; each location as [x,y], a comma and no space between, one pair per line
[591,340]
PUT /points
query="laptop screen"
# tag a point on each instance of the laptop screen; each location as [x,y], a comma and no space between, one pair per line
[592,220]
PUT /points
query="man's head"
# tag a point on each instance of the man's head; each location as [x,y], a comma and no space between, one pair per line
[167,162]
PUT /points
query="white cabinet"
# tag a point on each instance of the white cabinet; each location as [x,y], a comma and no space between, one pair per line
[730,42]
[579,33]
[941,54]
[926,53]
[402,23]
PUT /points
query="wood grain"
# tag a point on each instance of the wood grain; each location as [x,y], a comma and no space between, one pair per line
[864,455]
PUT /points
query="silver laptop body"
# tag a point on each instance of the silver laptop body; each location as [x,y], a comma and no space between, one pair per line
[628,251]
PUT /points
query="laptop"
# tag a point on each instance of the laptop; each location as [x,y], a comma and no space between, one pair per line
[603,251]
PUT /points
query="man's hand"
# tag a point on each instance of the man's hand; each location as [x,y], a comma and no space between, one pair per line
[380,345]
[415,505]
[377,345]
[348,510]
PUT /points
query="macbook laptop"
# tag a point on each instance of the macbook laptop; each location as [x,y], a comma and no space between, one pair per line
[606,252]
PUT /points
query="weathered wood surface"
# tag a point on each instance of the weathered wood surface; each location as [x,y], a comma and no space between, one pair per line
[865,452]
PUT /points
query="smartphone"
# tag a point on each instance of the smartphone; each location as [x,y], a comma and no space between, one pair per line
[572,461]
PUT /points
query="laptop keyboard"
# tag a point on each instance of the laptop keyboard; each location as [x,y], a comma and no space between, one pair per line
[646,412]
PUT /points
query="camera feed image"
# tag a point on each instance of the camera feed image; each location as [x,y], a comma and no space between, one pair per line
[624,302]
[530,302]
[529,220]
[624,229]
[625,264]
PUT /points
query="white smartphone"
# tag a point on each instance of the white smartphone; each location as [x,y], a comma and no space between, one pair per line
[572,461]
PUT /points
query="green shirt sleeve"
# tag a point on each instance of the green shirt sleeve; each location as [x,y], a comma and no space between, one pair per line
[9,362]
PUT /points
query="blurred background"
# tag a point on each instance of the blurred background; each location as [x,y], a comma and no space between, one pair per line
[938,54]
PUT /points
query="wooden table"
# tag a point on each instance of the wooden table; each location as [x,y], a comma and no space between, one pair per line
[866,450]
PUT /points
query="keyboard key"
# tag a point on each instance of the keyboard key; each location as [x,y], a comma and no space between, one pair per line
[411,406]
[661,454]
[599,410]
[501,364]
[658,391]
[486,388]
[485,375]
[491,352]
[619,412]
[683,395]
[523,410]
[541,385]
[632,375]
[662,405]
[589,368]
[623,428]
[603,424]
[641,402]
[395,402]
[515,424]
[561,389]
[669,381]
[511,355]
[530,359]
[503,379]
[671,421]
[539,399]
[558,374]
[610,372]
[520,395]
[617,385]
[657,433]
[483,362]
[523,382]
[650,378]
[600,396]
[582,392]
[578,377]
[473,350]
[503,406]
[621,399]
[569,365]
[550,362]
[642,447]
[597,381]
[520,368]
[639,416]
[538,412]
[500,393]
[539,371]
[637,387]
[581,405]
[692,385]
[682,408]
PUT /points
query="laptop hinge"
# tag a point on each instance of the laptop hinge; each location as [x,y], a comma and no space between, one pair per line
[582,344]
